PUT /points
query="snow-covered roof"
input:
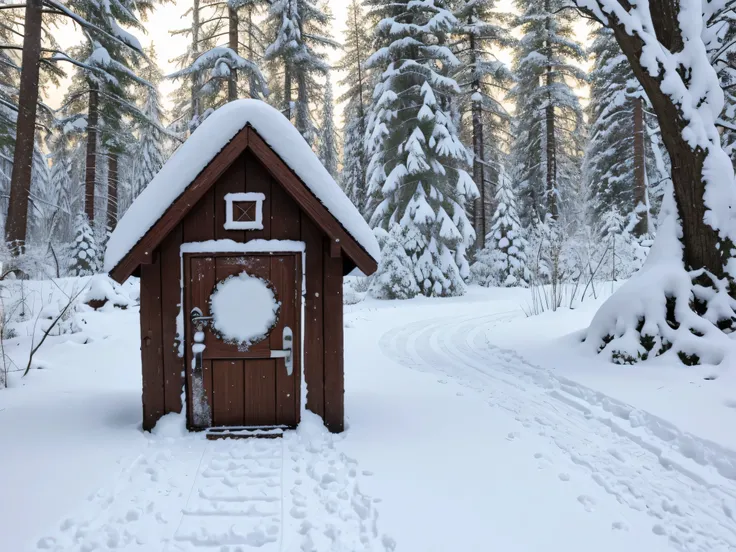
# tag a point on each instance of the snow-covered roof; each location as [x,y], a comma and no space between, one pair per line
[204,144]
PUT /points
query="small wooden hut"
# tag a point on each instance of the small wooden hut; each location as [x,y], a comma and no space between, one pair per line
[241,243]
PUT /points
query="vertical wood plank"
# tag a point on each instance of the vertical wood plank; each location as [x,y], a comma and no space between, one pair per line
[285,217]
[258,180]
[333,340]
[199,224]
[260,391]
[170,303]
[313,314]
[228,391]
[283,275]
[233,181]
[151,349]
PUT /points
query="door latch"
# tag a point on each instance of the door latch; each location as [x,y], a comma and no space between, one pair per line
[287,353]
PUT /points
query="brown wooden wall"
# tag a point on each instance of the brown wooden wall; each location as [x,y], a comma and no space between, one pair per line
[282,219]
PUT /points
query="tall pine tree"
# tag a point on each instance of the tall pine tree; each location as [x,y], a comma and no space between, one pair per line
[328,134]
[617,158]
[297,60]
[229,68]
[417,175]
[357,84]
[484,81]
[148,155]
[549,130]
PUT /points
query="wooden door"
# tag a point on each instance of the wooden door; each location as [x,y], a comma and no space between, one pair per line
[243,384]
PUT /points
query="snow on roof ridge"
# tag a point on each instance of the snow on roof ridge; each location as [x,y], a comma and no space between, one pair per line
[215,132]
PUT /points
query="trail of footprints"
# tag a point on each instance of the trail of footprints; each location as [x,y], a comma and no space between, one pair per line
[236,500]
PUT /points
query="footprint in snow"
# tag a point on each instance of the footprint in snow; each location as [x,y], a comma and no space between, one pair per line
[619,526]
[544,462]
[564,476]
[512,436]
[587,502]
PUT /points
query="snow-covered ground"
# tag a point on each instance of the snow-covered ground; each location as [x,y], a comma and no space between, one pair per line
[470,427]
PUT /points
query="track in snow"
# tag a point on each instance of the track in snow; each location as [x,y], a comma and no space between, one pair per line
[687,485]
[295,494]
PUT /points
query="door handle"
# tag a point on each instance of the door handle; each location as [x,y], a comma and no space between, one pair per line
[198,319]
[287,353]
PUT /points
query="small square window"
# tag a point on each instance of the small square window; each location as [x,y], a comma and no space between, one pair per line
[244,211]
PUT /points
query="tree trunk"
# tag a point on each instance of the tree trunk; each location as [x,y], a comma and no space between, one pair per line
[112,191]
[551,158]
[287,92]
[551,150]
[90,171]
[363,123]
[640,181]
[196,101]
[479,158]
[232,82]
[702,247]
[302,122]
[20,180]
[253,88]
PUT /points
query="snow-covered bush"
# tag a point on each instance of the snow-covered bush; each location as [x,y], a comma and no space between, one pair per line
[102,289]
[394,278]
[85,254]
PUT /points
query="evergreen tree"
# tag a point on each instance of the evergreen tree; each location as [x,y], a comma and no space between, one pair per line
[85,253]
[111,56]
[43,199]
[417,175]
[484,81]
[618,140]
[63,187]
[548,134]
[357,83]
[328,133]
[297,59]
[148,156]
[394,278]
[506,240]
[215,73]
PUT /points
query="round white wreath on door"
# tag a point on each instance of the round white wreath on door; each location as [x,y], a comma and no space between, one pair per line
[244,309]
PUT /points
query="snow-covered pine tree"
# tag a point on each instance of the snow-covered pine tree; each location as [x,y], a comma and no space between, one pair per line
[297,60]
[549,130]
[328,133]
[148,153]
[417,175]
[43,200]
[111,57]
[67,193]
[215,74]
[357,46]
[618,155]
[394,278]
[507,241]
[85,252]
[484,80]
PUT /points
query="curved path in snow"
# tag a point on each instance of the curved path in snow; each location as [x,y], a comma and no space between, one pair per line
[687,485]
